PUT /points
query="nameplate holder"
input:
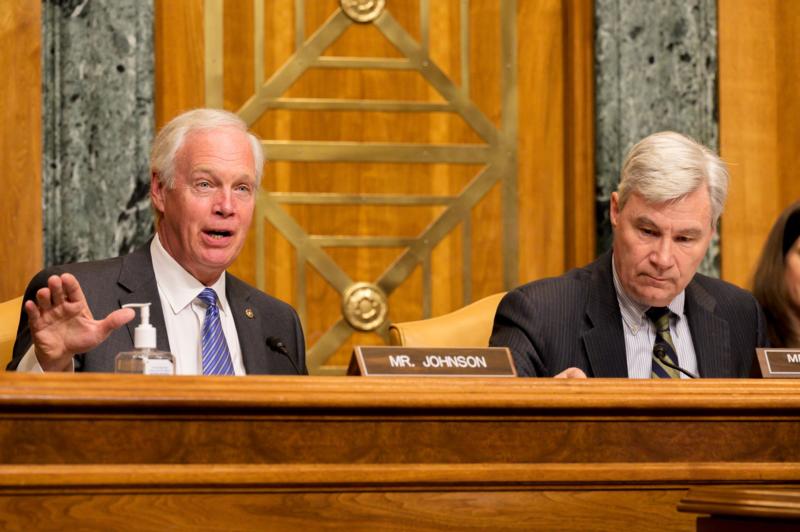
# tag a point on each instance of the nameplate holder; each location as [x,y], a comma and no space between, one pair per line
[779,363]
[387,361]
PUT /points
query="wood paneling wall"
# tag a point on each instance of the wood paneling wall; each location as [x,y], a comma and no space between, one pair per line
[20,145]
[179,58]
[581,233]
[555,142]
[759,62]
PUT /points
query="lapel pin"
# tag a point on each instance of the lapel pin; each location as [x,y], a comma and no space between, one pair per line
[249,313]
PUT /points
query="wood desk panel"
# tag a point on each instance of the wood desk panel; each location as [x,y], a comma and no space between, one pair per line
[253,453]
[367,511]
[161,438]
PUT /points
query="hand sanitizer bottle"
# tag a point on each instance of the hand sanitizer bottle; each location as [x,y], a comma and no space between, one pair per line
[144,358]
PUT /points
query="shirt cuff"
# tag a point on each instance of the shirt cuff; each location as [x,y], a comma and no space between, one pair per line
[30,364]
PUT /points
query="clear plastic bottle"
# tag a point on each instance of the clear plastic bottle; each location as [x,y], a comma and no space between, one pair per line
[145,358]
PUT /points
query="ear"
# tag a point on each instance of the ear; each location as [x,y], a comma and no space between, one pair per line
[614,209]
[157,192]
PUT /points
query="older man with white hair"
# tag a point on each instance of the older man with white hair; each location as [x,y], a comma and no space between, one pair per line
[205,174]
[641,310]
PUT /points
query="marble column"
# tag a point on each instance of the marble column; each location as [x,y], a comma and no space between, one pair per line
[97,66]
[655,69]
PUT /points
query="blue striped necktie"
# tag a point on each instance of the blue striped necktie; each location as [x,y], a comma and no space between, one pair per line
[216,357]
[660,317]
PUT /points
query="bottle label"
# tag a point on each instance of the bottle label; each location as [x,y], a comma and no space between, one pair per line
[158,367]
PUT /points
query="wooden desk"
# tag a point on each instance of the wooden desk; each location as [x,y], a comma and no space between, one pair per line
[743,509]
[134,452]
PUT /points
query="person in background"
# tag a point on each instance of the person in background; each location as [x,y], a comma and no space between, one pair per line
[205,174]
[776,283]
[641,310]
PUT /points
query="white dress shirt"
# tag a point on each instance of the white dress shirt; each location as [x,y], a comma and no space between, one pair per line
[640,333]
[184,313]
[183,316]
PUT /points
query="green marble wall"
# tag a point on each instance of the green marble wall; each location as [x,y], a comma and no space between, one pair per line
[97,70]
[655,69]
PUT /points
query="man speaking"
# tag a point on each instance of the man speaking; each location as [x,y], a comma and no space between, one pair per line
[641,310]
[205,174]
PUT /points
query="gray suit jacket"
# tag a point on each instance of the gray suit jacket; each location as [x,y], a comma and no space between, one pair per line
[574,321]
[109,284]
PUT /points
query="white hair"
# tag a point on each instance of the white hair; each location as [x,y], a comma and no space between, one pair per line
[172,136]
[667,166]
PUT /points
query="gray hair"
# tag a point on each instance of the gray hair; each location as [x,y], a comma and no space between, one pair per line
[667,166]
[171,137]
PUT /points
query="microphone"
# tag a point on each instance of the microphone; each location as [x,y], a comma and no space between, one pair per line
[660,352]
[275,344]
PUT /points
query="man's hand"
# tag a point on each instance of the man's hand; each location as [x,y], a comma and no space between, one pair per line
[571,373]
[62,325]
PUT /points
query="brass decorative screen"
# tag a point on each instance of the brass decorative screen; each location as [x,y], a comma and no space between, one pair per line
[364,303]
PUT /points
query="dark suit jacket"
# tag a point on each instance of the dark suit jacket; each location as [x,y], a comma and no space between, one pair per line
[574,321]
[108,284]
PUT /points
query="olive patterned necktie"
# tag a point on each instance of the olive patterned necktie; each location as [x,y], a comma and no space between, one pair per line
[663,344]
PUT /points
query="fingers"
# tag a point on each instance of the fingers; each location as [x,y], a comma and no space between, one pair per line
[571,373]
[59,289]
[56,301]
[56,290]
[72,288]
[44,299]
[32,310]
[116,319]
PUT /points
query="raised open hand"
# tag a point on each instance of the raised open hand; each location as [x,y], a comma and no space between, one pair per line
[62,325]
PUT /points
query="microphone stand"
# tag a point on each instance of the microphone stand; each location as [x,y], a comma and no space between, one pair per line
[661,354]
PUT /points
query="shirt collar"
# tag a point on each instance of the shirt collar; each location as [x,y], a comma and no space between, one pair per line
[633,312]
[177,285]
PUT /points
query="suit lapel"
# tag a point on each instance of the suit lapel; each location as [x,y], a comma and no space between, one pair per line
[138,280]
[710,334]
[249,329]
[604,341]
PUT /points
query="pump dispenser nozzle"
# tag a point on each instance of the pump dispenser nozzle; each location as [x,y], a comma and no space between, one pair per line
[144,336]
[144,358]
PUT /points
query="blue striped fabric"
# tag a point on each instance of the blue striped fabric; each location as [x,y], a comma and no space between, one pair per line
[216,357]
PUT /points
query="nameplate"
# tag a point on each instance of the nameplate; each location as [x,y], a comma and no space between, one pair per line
[779,363]
[385,361]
